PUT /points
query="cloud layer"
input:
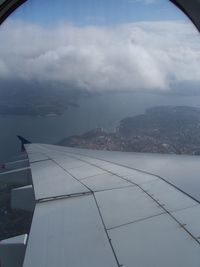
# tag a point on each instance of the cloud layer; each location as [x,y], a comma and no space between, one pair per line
[145,56]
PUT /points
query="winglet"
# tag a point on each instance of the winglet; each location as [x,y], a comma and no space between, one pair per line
[23,142]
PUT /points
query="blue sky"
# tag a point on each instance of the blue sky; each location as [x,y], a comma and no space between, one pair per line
[96,12]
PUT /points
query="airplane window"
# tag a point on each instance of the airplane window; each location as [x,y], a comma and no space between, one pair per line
[117,75]
[71,67]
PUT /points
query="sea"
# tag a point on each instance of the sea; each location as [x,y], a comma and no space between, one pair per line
[103,110]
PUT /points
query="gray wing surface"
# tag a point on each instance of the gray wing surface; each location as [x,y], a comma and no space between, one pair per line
[98,208]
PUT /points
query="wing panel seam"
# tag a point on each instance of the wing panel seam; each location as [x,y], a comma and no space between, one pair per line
[104,226]
[48,199]
[73,155]
[160,205]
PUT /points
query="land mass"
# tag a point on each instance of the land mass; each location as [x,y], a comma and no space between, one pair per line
[36,102]
[162,129]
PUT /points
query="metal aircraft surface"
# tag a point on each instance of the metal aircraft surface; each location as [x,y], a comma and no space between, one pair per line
[101,208]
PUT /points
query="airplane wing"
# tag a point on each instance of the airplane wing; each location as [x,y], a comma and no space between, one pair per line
[96,208]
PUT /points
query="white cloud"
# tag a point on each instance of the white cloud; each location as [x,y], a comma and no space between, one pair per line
[148,55]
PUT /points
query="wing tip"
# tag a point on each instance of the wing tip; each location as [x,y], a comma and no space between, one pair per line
[23,142]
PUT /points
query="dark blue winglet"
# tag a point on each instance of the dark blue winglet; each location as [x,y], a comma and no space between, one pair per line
[23,142]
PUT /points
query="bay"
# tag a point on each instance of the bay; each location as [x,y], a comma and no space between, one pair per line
[101,110]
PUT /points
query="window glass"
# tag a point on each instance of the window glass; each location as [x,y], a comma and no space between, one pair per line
[117,75]
[69,67]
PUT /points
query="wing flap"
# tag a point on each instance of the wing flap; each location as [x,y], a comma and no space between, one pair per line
[50,180]
[34,157]
[68,232]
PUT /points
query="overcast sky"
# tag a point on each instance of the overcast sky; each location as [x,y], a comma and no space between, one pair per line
[116,45]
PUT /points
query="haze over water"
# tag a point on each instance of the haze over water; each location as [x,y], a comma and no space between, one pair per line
[105,110]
